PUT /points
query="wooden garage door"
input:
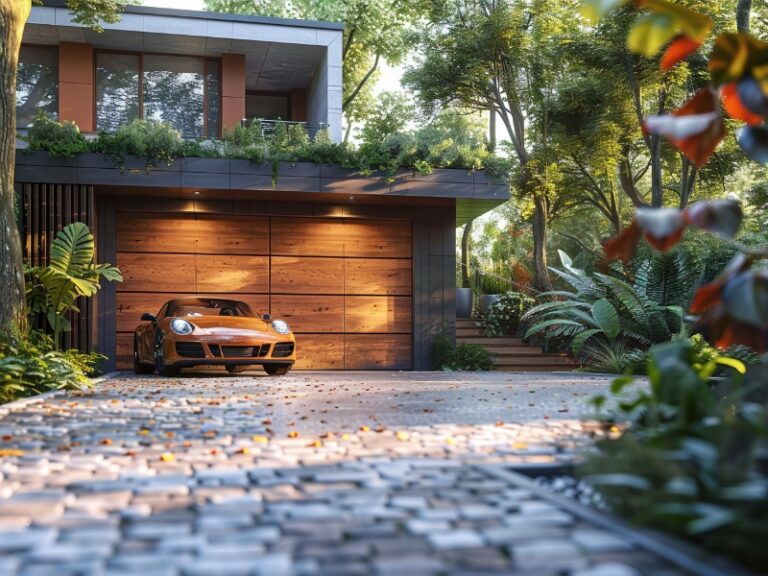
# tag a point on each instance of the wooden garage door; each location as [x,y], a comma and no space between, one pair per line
[344,285]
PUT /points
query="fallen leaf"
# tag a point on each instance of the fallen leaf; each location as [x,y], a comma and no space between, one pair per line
[293,434]
[364,429]
[107,441]
[167,457]
[8,452]
[403,436]
[260,439]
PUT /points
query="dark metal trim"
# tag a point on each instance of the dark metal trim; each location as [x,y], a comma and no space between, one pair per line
[200,15]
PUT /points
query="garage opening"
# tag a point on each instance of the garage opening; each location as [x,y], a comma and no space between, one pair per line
[344,285]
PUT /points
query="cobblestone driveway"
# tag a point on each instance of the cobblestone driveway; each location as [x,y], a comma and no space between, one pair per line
[333,474]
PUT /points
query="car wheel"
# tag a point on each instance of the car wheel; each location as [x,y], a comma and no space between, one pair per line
[236,369]
[160,365]
[277,369]
[138,367]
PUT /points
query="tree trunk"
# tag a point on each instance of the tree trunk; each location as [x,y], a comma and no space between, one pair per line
[743,9]
[13,315]
[541,279]
[657,193]
[466,237]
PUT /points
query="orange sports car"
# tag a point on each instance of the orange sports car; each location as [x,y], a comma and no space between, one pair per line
[211,331]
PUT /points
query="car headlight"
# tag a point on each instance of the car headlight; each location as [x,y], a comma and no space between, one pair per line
[280,326]
[181,327]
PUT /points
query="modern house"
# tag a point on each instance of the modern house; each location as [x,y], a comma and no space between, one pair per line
[362,267]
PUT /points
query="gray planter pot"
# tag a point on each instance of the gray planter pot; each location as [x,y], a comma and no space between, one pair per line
[486,301]
[463,302]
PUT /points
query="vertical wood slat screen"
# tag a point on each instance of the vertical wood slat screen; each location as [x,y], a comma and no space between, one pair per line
[47,209]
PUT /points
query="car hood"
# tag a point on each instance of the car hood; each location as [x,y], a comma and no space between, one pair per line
[228,325]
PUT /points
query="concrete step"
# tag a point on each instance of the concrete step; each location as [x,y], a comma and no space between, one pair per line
[535,368]
[469,332]
[531,361]
[483,341]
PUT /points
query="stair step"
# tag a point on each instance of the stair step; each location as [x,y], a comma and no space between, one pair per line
[534,368]
[516,351]
[471,332]
[466,321]
[484,341]
[531,361]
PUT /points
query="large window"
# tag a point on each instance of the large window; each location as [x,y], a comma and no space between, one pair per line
[117,90]
[181,90]
[37,83]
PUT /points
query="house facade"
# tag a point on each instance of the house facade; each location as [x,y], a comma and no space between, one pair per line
[361,267]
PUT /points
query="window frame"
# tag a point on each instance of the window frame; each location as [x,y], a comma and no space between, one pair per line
[206,63]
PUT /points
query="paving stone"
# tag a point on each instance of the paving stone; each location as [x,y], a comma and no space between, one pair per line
[456,539]
[599,541]
[357,503]
[607,569]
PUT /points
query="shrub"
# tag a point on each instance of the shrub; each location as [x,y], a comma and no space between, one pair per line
[503,318]
[56,138]
[464,357]
[693,460]
[604,317]
[156,141]
[31,365]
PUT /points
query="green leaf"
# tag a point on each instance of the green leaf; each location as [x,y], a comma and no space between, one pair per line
[711,518]
[548,323]
[620,383]
[620,481]
[606,316]
[593,10]
[650,33]
[581,338]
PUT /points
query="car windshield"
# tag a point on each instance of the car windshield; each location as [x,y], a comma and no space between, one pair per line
[207,307]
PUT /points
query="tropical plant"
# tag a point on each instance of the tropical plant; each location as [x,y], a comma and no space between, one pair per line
[53,290]
[693,461]
[605,317]
[503,317]
[30,364]
[56,138]
[464,357]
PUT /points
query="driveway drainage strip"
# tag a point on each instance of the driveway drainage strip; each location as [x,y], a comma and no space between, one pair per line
[675,551]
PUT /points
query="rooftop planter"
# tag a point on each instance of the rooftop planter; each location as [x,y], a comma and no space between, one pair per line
[238,174]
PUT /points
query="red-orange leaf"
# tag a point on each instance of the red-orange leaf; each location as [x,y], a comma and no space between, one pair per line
[699,147]
[666,242]
[622,247]
[729,94]
[679,49]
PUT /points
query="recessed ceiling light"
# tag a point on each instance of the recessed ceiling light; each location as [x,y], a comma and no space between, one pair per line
[197,192]
[351,197]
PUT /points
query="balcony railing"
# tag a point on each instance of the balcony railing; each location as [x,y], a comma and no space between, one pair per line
[268,127]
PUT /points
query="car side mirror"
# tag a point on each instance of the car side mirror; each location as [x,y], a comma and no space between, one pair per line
[266,317]
[147,317]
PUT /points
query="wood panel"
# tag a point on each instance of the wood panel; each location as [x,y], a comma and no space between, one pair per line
[310,313]
[131,305]
[157,273]
[377,238]
[232,235]
[190,233]
[307,275]
[377,351]
[377,314]
[378,276]
[320,351]
[152,232]
[236,274]
[307,237]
